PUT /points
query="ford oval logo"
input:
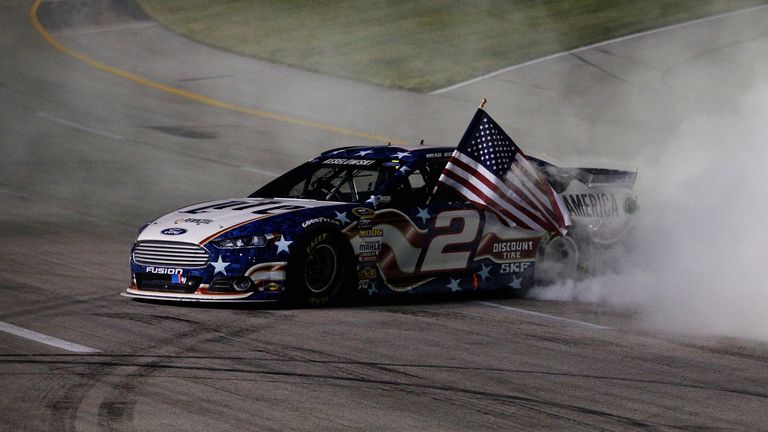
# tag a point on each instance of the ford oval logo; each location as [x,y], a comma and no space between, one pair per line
[173,231]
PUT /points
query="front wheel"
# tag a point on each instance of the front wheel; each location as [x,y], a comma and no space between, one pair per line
[318,270]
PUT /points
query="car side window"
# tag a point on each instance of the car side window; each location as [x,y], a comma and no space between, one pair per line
[445,194]
[418,184]
[364,183]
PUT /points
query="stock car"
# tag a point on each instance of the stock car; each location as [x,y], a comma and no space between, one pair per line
[366,220]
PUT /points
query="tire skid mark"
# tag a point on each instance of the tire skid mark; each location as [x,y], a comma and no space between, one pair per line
[496,412]
[116,410]
[539,405]
[62,410]
[112,413]
[171,366]
[7,359]
[54,306]
[346,364]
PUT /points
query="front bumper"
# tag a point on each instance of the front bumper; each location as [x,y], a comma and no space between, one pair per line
[201,295]
[245,280]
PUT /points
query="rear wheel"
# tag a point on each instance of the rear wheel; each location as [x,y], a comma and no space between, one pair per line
[318,269]
[558,260]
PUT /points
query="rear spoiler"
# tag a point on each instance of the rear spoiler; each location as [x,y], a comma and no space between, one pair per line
[603,176]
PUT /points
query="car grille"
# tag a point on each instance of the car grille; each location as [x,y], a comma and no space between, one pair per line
[170,254]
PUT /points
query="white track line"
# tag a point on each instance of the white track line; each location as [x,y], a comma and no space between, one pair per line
[596,45]
[45,339]
[545,316]
[78,126]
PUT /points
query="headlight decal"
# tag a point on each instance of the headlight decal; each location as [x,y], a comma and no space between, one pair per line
[252,241]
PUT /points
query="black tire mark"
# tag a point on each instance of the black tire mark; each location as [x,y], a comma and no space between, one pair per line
[62,411]
[529,403]
[9,359]
[116,410]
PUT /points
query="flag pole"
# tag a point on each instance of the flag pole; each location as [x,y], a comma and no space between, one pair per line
[483,101]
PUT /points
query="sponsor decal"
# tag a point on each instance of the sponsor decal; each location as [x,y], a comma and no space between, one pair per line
[316,241]
[367,273]
[173,231]
[272,287]
[363,212]
[349,162]
[258,207]
[594,205]
[514,249]
[370,247]
[193,221]
[368,257]
[501,250]
[517,267]
[317,220]
[371,232]
[162,270]
[175,274]
[364,224]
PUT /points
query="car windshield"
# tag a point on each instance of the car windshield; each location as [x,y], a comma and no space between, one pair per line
[328,182]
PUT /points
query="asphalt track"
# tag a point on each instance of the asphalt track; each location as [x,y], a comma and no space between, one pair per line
[88,156]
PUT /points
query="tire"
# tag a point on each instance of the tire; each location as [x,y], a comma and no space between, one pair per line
[558,260]
[319,269]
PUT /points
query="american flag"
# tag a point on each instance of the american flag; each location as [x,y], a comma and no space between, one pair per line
[488,168]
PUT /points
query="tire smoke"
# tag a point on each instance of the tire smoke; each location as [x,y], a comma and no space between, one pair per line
[696,263]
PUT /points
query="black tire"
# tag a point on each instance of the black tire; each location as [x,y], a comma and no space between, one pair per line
[318,269]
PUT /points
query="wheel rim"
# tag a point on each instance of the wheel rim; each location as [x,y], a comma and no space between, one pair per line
[321,268]
[559,260]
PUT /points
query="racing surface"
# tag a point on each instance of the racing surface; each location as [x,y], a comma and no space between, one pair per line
[89,156]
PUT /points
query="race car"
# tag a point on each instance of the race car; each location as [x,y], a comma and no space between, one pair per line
[367,220]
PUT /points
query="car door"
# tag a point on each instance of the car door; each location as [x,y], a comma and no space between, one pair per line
[423,238]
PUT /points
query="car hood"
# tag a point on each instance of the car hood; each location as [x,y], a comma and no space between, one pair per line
[203,222]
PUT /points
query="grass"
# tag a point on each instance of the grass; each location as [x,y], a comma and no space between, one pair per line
[418,45]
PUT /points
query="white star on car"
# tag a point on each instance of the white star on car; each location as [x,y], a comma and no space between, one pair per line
[454,285]
[282,245]
[363,152]
[341,217]
[401,155]
[404,169]
[373,200]
[516,283]
[372,289]
[484,273]
[423,214]
[219,266]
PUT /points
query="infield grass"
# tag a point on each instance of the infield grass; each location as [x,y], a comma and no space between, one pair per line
[419,45]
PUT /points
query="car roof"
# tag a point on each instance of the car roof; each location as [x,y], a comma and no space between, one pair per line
[386,153]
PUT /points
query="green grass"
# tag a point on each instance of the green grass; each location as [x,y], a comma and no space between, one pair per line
[419,45]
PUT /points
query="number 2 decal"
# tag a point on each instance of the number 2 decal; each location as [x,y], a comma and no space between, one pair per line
[452,246]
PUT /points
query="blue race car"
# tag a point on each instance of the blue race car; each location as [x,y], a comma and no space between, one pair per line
[366,220]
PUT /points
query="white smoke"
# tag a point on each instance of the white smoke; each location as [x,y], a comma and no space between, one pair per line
[699,263]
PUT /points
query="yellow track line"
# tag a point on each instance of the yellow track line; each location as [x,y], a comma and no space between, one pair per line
[193,96]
